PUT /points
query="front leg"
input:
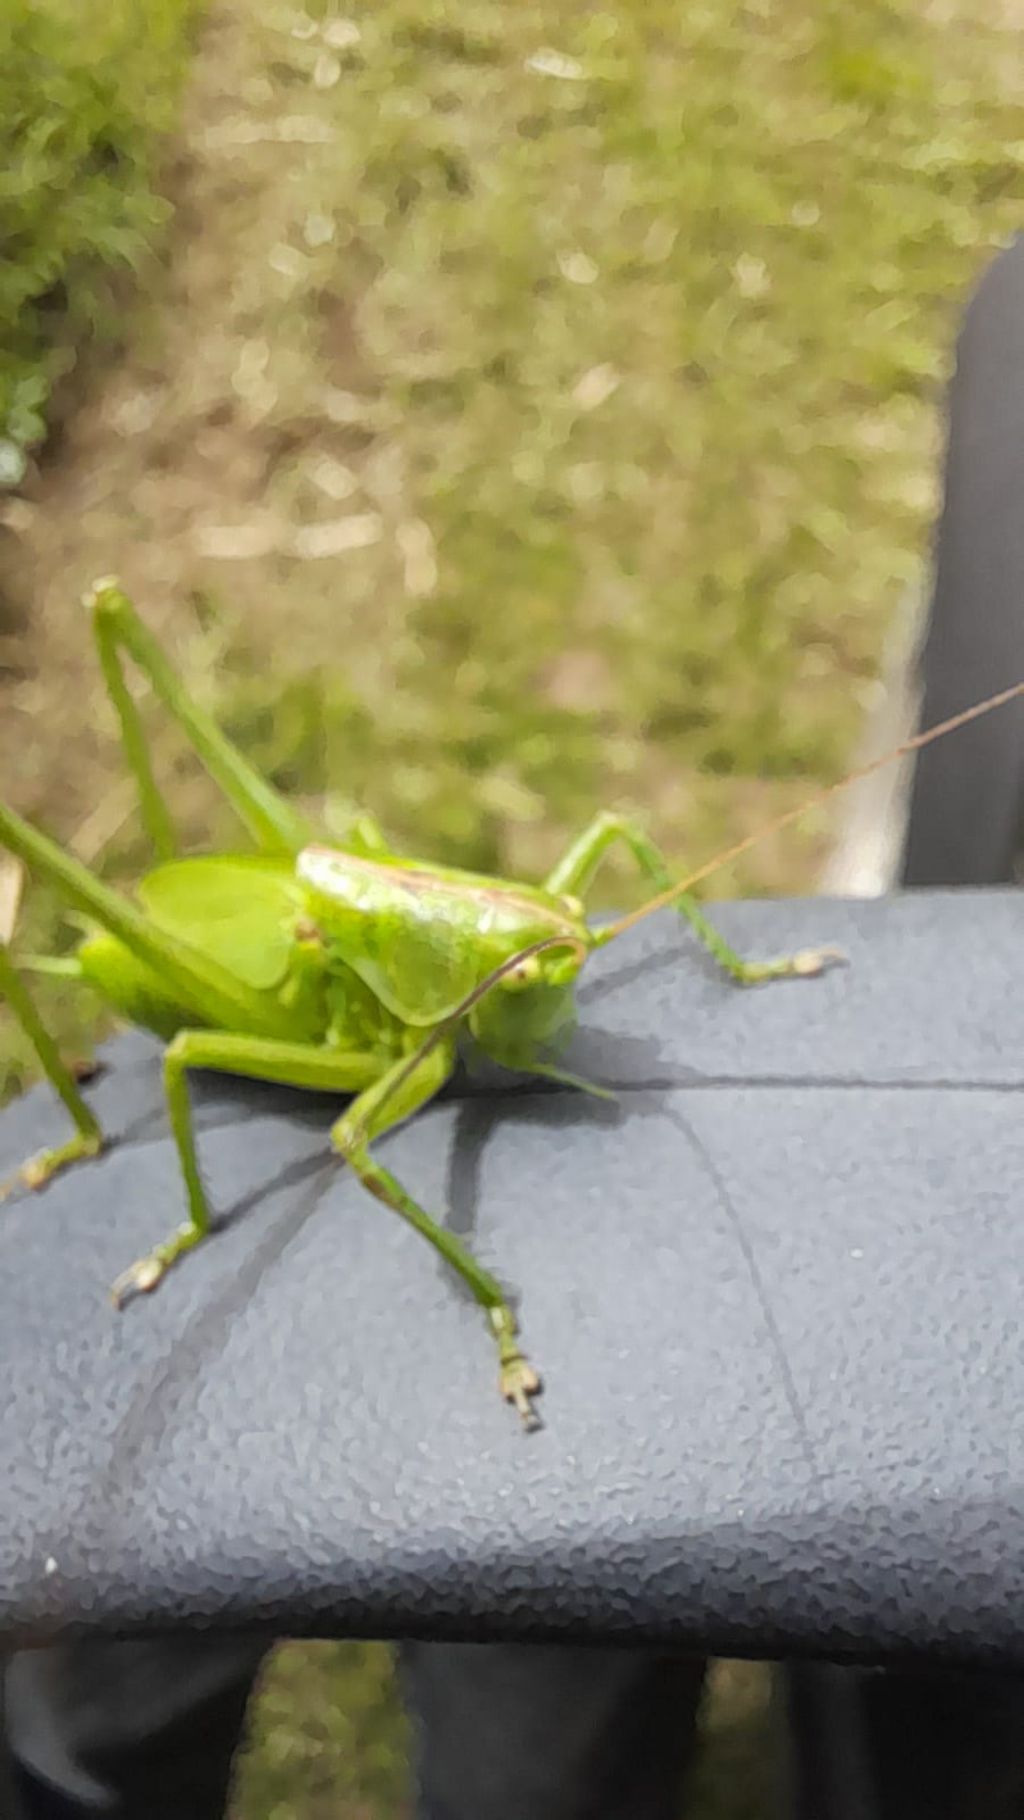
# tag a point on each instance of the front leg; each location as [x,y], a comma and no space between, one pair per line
[292,1064]
[577,867]
[394,1098]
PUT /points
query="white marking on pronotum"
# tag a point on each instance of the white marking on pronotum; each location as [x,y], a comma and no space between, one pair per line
[322,869]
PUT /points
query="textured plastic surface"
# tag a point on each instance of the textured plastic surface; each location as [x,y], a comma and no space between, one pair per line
[776,1294]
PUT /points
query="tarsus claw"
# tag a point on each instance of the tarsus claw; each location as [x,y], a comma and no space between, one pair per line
[815,960]
[519,1383]
[517,1380]
[138,1279]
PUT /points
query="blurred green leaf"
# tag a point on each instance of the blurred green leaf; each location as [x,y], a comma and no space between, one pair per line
[87,92]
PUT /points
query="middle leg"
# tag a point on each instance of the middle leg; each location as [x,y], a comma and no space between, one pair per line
[88,1138]
[292,1064]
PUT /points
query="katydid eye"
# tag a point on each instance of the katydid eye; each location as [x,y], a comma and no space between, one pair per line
[526,974]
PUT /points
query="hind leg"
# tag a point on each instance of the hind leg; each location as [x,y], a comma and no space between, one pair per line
[274,824]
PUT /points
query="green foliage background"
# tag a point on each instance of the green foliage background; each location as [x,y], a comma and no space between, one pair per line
[87,90]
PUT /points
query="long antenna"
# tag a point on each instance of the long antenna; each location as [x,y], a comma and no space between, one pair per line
[664,898]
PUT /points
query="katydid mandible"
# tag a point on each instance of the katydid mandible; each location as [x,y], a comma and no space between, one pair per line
[349,970]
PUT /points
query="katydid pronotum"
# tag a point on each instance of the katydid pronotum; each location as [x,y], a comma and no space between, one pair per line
[345,969]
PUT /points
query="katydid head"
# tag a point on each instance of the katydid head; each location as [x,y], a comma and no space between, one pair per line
[531,1008]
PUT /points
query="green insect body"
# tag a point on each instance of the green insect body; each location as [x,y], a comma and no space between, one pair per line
[344,969]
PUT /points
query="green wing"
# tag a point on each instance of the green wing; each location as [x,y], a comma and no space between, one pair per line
[241,912]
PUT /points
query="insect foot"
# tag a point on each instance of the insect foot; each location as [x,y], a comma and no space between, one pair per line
[519,1382]
[144,1275]
[810,961]
[517,1379]
[42,1168]
[803,965]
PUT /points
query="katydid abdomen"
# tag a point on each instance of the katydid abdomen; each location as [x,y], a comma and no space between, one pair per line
[131,988]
